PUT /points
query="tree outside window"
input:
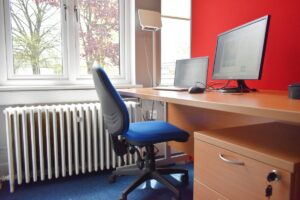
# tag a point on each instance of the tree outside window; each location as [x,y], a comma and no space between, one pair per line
[37,36]
[99,35]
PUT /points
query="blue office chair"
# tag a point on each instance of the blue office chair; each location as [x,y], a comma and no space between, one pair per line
[139,134]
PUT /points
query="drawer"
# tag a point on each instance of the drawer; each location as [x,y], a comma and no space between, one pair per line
[247,182]
[202,192]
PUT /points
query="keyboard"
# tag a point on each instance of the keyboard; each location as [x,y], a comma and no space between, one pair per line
[170,88]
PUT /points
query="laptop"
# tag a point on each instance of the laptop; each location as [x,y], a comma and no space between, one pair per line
[188,73]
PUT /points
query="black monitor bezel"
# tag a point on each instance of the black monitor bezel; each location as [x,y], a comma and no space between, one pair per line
[267,18]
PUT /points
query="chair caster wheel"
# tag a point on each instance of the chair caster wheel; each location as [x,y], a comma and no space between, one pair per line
[112,178]
[123,197]
[184,180]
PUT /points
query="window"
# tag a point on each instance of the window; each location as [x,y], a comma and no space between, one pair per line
[99,35]
[176,20]
[36,38]
[62,39]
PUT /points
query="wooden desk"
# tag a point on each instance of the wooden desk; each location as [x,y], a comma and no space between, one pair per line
[213,110]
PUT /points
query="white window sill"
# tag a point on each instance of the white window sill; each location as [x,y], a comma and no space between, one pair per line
[58,87]
[29,95]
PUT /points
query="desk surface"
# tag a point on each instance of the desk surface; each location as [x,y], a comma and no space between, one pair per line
[270,104]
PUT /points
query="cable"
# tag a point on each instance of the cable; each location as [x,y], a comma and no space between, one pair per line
[208,86]
[144,118]
[152,109]
[142,110]
[225,86]
[211,86]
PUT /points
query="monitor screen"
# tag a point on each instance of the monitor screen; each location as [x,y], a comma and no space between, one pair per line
[191,72]
[240,51]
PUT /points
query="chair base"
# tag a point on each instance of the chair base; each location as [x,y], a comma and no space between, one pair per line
[146,174]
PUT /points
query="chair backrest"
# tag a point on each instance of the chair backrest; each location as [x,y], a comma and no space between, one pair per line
[115,113]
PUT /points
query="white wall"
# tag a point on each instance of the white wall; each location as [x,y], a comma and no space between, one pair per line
[3,152]
[144,39]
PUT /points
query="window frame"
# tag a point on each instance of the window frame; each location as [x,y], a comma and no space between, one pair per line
[70,75]
[9,51]
[179,18]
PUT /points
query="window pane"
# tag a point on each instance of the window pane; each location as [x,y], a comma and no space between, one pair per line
[99,35]
[36,37]
[170,50]
[176,8]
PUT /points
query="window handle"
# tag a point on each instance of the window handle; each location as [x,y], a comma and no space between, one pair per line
[65,9]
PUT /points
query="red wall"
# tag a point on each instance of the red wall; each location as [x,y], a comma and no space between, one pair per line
[282,56]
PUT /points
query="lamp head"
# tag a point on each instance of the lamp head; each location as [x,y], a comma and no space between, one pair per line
[149,20]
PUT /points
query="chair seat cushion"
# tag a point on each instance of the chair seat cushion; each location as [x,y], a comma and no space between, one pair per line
[150,132]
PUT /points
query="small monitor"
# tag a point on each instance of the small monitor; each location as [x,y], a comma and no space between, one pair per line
[191,72]
[239,54]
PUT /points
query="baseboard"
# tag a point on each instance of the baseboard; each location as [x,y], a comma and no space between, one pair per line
[3,162]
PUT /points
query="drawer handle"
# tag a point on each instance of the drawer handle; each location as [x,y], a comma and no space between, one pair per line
[234,162]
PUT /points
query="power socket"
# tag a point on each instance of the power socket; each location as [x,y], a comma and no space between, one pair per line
[151,115]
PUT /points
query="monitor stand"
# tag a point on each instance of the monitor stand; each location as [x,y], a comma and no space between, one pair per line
[241,88]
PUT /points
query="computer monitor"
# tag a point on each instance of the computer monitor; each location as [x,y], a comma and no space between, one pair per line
[191,72]
[239,54]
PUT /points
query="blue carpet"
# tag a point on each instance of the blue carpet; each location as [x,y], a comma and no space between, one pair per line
[95,187]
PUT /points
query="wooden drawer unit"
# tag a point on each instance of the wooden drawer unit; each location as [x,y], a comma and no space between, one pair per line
[202,192]
[247,181]
[234,163]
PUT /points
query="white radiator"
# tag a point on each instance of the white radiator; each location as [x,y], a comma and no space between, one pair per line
[60,140]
